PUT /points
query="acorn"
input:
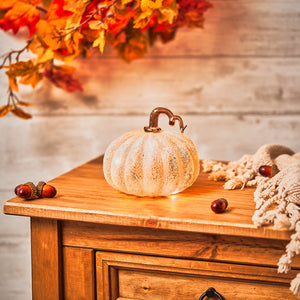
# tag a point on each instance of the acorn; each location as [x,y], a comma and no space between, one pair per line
[46,190]
[17,187]
[219,205]
[265,171]
[27,191]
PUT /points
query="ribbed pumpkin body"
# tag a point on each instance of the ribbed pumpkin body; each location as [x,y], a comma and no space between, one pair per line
[151,164]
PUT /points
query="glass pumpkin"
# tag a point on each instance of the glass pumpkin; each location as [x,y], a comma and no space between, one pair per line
[151,161]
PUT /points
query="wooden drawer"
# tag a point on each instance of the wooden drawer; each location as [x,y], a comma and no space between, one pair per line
[129,276]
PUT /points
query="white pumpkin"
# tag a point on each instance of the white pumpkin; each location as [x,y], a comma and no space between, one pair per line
[152,162]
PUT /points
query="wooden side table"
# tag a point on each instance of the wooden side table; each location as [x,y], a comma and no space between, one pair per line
[92,242]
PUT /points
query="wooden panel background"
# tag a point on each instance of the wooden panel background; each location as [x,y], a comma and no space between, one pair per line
[235,83]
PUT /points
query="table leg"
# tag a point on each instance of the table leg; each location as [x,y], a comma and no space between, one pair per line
[46,259]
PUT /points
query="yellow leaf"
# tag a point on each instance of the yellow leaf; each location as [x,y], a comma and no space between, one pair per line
[124,2]
[47,55]
[146,4]
[48,33]
[143,19]
[21,113]
[66,48]
[72,41]
[78,7]
[43,52]
[168,14]
[97,25]
[100,41]
[5,109]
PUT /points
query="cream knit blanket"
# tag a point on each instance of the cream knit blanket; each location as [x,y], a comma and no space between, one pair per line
[277,198]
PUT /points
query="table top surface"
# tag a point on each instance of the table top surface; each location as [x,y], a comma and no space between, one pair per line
[84,195]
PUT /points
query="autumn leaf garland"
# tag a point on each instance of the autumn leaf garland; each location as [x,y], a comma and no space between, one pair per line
[63,30]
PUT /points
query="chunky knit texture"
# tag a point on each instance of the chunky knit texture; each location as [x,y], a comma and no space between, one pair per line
[277,198]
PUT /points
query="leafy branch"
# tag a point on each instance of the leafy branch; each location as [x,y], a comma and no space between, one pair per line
[13,105]
[13,102]
[73,29]
[9,56]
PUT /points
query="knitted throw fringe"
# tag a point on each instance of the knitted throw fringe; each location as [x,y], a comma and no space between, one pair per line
[277,198]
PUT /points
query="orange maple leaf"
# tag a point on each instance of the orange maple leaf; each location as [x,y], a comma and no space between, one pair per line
[121,21]
[26,70]
[18,14]
[48,44]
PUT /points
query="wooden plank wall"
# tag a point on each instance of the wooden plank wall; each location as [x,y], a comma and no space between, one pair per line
[235,83]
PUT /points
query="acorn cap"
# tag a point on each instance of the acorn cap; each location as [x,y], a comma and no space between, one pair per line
[40,186]
[34,191]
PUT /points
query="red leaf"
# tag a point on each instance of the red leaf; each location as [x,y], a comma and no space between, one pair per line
[63,79]
[191,13]
[19,14]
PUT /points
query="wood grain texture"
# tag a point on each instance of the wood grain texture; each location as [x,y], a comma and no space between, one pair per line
[197,86]
[171,243]
[231,27]
[79,274]
[160,286]
[84,195]
[240,28]
[46,259]
[147,277]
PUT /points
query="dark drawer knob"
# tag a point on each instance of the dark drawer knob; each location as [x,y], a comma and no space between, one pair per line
[210,293]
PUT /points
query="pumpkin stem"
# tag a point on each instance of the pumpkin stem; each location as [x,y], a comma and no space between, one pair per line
[153,122]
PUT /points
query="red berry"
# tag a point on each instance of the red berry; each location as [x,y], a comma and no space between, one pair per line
[48,191]
[219,205]
[265,171]
[16,188]
[24,192]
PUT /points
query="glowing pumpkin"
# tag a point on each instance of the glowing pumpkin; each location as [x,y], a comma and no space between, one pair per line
[150,161]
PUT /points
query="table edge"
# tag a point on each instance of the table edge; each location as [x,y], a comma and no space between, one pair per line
[189,225]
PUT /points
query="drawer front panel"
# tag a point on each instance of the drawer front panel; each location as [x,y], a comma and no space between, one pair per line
[170,243]
[166,286]
[78,274]
[126,276]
